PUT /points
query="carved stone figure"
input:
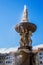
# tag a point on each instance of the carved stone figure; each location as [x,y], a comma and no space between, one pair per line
[25,39]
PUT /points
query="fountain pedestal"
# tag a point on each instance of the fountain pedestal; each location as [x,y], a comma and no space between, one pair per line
[25,29]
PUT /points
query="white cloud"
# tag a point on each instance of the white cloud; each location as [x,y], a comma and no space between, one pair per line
[38,46]
[7,50]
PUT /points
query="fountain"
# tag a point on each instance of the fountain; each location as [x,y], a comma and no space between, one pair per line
[25,29]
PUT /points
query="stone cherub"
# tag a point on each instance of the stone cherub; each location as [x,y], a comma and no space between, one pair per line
[25,39]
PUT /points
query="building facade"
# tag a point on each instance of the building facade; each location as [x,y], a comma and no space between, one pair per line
[12,58]
[2,59]
[38,56]
[7,59]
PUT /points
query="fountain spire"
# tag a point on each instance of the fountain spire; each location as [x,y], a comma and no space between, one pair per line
[25,14]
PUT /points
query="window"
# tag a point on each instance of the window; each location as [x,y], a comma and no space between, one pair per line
[40,62]
[7,57]
[1,62]
[40,53]
[8,62]
[40,57]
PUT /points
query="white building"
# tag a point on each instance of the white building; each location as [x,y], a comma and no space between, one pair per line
[2,59]
[40,56]
[9,59]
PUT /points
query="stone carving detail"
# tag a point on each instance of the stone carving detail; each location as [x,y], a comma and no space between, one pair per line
[25,39]
[25,29]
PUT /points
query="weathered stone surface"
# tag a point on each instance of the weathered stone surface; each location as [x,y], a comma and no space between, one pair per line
[25,29]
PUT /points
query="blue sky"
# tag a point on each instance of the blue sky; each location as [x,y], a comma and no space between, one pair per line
[10,15]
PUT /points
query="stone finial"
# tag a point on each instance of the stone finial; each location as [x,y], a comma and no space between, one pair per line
[25,14]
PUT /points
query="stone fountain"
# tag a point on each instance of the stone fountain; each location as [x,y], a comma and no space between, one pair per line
[25,30]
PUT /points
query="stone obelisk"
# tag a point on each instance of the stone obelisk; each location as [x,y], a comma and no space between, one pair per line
[25,29]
